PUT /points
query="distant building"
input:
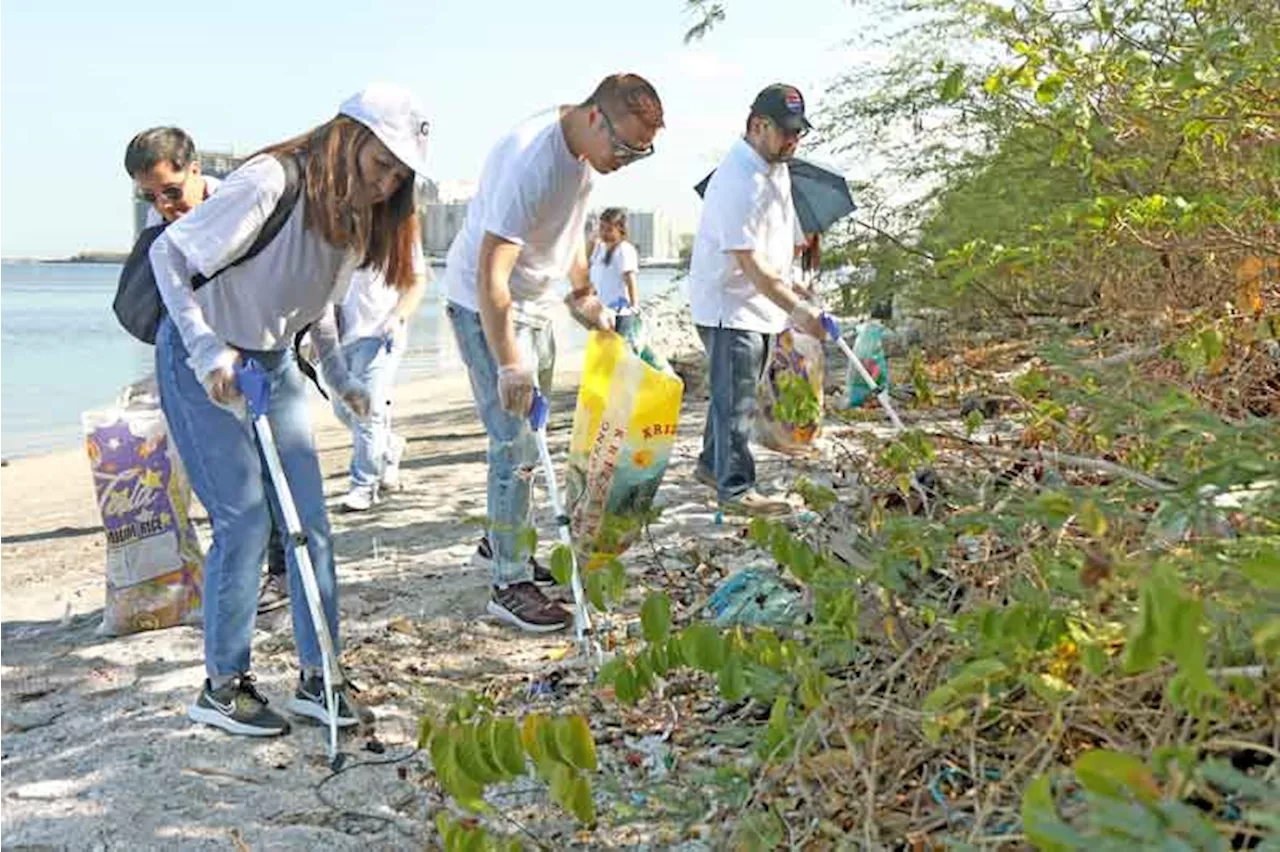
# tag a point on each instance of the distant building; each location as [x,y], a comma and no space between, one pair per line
[214,163]
[650,231]
[441,222]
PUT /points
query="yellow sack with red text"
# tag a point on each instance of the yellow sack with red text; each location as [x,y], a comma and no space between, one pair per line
[623,431]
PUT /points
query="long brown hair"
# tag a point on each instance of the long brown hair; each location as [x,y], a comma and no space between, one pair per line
[383,233]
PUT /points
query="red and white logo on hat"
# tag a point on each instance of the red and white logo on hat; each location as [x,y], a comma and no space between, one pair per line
[794,102]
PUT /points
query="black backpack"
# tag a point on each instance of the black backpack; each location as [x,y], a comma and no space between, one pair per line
[138,305]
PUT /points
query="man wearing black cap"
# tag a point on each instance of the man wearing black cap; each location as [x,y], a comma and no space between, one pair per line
[740,292]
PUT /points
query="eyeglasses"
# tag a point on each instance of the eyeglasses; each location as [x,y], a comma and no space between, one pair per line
[623,152]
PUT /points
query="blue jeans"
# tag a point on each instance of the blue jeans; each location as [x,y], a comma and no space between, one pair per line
[373,366]
[513,450]
[227,473]
[736,362]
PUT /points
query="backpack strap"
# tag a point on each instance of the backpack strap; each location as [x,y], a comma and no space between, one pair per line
[308,369]
[293,171]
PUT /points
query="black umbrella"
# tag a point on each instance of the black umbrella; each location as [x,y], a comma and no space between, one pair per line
[821,196]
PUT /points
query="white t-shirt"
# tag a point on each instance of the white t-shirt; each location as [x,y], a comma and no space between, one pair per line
[747,206]
[154,218]
[370,302]
[264,302]
[609,277]
[533,191]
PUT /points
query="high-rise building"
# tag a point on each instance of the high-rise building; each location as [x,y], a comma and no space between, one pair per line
[650,231]
[441,222]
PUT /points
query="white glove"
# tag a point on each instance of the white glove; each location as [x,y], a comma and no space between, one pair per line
[515,389]
[590,312]
[806,317]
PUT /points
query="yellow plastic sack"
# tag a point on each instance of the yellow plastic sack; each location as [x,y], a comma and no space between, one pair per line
[623,431]
[789,394]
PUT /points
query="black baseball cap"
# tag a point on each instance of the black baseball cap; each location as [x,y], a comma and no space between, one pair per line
[784,104]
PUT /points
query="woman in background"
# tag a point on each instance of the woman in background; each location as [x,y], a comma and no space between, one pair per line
[614,261]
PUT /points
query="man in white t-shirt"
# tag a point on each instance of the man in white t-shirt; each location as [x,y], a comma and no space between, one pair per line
[523,234]
[740,289]
[166,174]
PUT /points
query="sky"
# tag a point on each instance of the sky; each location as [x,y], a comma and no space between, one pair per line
[78,79]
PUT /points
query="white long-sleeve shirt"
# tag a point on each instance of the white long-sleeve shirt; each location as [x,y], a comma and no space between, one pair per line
[261,304]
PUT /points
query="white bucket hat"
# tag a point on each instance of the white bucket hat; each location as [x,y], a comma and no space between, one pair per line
[396,118]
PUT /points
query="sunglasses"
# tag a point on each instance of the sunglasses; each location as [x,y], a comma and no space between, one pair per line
[623,152]
[172,193]
[169,193]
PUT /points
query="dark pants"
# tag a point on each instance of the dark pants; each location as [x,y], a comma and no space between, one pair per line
[736,361]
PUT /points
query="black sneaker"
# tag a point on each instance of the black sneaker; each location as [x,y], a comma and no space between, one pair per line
[309,701]
[525,606]
[237,707]
[483,558]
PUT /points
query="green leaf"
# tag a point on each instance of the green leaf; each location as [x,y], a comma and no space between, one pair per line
[579,801]
[1263,569]
[779,727]
[595,590]
[1055,507]
[466,752]
[562,564]
[644,674]
[971,679]
[624,685]
[1040,821]
[1266,639]
[953,85]
[1050,88]
[703,647]
[1114,774]
[1142,650]
[675,653]
[560,779]
[504,739]
[732,679]
[546,733]
[1091,519]
[573,736]
[658,659]
[425,728]
[529,737]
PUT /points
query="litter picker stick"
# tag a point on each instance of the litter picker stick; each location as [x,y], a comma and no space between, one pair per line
[855,363]
[538,414]
[256,387]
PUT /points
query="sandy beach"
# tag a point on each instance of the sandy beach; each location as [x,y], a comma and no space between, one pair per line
[97,750]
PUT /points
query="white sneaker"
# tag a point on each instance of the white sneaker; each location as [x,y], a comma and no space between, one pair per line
[361,498]
[391,469]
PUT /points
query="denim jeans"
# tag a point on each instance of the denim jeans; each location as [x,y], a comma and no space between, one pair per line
[736,362]
[369,363]
[513,451]
[227,473]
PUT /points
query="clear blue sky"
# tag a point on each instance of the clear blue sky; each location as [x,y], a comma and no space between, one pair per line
[78,79]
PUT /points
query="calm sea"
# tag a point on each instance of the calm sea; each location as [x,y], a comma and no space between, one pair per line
[62,351]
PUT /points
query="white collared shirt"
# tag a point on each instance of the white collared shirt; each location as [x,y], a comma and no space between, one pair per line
[747,207]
